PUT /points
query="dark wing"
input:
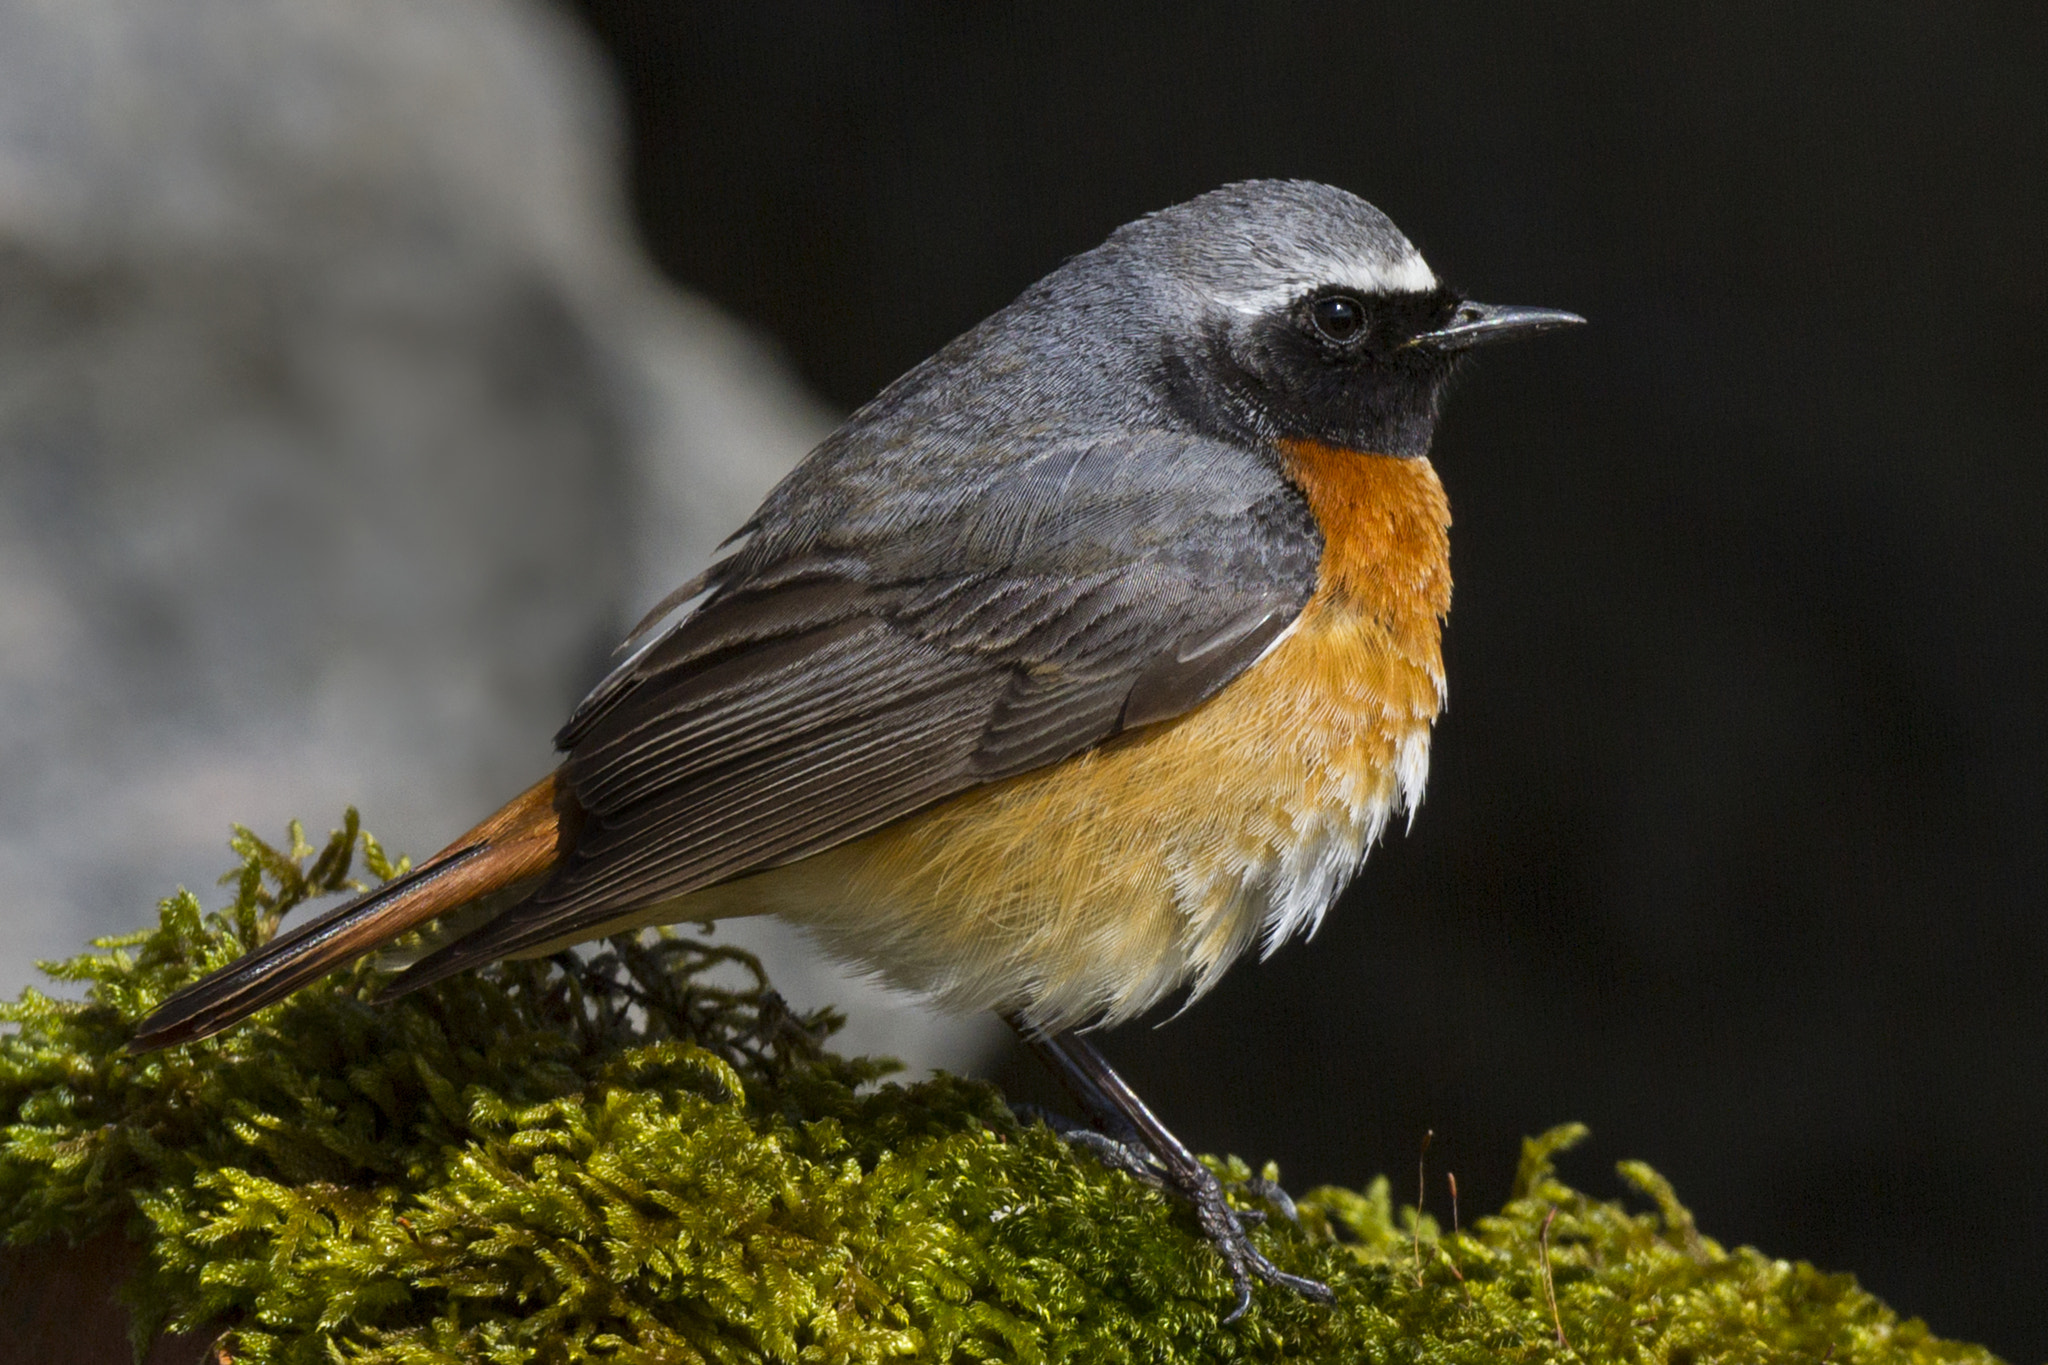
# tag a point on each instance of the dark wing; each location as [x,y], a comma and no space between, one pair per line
[902,636]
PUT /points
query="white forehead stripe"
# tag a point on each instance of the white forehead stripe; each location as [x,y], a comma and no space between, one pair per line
[1409,274]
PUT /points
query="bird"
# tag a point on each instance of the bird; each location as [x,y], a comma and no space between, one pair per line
[1092,652]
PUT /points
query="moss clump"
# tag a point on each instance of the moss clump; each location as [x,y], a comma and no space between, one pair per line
[644,1157]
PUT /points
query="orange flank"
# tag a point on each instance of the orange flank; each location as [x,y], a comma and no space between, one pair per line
[1096,886]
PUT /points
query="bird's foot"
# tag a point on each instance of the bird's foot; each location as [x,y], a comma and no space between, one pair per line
[1225,1229]
[1136,1143]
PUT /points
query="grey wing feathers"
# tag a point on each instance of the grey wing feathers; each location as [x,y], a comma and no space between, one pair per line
[874,651]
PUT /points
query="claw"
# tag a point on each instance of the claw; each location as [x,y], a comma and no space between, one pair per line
[1262,1189]
[1244,1294]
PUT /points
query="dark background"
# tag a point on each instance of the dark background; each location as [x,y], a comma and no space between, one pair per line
[1733,847]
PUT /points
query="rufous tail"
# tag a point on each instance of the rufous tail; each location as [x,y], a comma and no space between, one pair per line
[522,840]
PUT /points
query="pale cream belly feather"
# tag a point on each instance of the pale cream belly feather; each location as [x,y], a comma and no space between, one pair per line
[1087,891]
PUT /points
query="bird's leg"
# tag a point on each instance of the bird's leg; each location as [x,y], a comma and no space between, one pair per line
[1114,1140]
[1131,1127]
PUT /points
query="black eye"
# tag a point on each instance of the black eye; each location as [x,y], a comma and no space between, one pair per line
[1338,317]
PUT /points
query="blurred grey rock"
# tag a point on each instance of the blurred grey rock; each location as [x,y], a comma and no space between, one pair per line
[343,428]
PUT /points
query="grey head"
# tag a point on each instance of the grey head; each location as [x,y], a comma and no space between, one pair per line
[1264,310]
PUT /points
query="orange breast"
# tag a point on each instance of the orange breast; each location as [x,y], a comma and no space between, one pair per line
[1386,541]
[1093,888]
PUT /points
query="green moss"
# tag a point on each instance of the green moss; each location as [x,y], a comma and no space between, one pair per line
[645,1157]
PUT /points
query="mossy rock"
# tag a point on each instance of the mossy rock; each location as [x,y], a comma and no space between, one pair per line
[643,1156]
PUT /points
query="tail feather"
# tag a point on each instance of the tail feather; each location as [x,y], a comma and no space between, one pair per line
[519,842]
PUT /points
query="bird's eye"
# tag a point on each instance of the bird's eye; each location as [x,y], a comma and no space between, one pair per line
[1338,317]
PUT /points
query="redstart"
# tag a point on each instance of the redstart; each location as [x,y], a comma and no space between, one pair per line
[1097,647]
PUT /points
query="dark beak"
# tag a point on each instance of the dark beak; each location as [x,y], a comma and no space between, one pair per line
[1480,324]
